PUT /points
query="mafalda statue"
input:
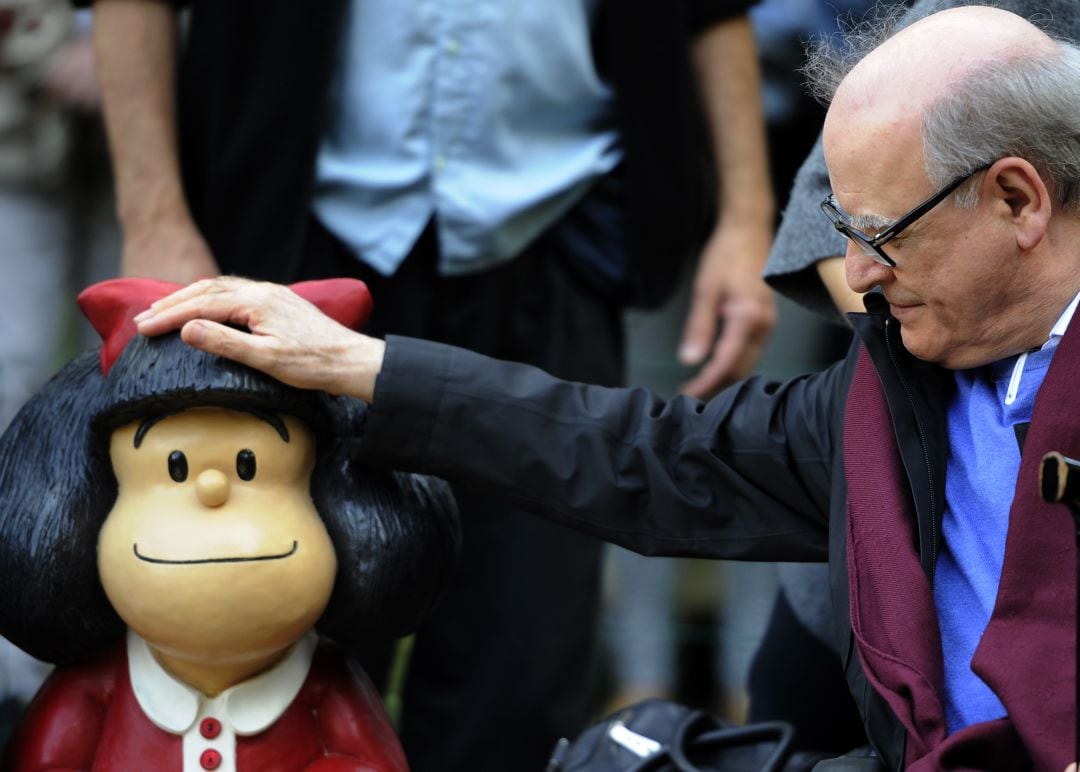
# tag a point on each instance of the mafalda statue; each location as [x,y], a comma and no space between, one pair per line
[191,542]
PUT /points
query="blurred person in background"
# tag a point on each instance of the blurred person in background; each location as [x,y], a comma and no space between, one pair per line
[505,176]
[57,228]
[768,664]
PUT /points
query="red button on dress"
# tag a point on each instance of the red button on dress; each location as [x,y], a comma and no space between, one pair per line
[210,759]
[210,728]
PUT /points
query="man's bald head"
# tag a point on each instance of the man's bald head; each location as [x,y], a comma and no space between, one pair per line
[921,63]
[966,90]
[955,91]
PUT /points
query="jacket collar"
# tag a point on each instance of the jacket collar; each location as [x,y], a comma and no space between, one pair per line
[917,394]
[250,707]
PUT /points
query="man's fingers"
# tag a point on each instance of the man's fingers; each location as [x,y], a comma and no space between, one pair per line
[744,332]
[700,330]
[203,288]
[212,304]
[214,338]
[720,369]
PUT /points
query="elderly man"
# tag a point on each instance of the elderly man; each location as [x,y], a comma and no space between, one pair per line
[954,158]
[806,263]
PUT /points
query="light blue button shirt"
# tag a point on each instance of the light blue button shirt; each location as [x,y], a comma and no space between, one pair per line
[489,116]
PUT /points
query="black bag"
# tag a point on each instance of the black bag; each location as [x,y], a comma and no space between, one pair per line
[662,736]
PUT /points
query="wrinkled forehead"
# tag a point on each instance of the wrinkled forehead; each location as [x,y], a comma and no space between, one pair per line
[875,166]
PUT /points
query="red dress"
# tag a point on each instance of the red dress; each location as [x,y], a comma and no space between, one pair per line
[87,718]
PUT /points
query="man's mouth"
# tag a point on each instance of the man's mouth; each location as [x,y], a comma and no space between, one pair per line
[898,309]
[197,561]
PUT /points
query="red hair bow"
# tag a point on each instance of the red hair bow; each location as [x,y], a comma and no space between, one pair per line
[112,305]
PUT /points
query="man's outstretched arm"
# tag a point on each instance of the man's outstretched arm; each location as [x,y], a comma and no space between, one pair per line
[745,476]
[135,43]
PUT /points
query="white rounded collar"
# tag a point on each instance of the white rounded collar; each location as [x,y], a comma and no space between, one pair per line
[250,707]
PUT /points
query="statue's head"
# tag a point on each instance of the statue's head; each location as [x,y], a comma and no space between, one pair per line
[212,509]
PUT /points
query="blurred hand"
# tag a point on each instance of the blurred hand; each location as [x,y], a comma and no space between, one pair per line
[72,76]
[289,338]
[831,271]
[730,295]
[167,250]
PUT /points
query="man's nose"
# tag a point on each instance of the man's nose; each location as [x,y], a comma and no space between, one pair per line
[863,272]
[212,486]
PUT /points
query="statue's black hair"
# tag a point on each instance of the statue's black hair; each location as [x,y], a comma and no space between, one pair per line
[395,534]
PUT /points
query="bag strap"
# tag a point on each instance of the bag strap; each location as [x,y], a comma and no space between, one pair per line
[782,733]
[682,743]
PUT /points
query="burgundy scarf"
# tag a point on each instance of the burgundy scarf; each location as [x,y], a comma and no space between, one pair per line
[1027,654]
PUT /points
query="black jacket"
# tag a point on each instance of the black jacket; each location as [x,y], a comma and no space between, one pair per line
[254,81]
[757,473]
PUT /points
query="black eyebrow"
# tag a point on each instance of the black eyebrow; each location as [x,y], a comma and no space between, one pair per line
[145,426]
[270,418]
[273,419]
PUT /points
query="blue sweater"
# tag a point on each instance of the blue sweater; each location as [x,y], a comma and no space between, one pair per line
[980,480]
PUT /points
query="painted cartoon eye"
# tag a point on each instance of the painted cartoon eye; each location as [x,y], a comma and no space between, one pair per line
[245,464]
[178,466]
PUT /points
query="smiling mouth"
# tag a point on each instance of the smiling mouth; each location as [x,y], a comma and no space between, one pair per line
[198,561]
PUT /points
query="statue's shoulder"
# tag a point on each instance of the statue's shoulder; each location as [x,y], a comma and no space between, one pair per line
[65,720]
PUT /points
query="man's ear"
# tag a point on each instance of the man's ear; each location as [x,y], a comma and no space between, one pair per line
[1018,192]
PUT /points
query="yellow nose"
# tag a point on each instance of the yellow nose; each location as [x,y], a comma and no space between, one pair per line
[213,487]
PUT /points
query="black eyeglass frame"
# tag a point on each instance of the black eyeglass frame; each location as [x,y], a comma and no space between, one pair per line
[872,246]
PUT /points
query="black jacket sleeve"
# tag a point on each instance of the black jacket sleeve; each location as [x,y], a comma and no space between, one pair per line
[745,476]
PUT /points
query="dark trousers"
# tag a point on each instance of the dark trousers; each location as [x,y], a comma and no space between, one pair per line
[797,678]
[502,667]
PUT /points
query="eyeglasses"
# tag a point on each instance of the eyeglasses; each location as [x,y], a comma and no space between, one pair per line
[873,246]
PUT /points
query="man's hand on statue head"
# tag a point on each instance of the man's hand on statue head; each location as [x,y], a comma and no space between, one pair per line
[288,338]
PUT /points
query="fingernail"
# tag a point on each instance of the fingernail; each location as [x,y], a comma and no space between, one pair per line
[143,315]
[690,353]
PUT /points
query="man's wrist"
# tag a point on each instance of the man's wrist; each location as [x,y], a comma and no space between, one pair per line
[362,364]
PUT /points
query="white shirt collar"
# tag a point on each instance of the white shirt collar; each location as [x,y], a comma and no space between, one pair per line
[250,707]
[1063,321]
[1056,333]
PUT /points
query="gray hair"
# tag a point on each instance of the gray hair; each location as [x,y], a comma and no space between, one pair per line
[1024,106]
[829,58]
